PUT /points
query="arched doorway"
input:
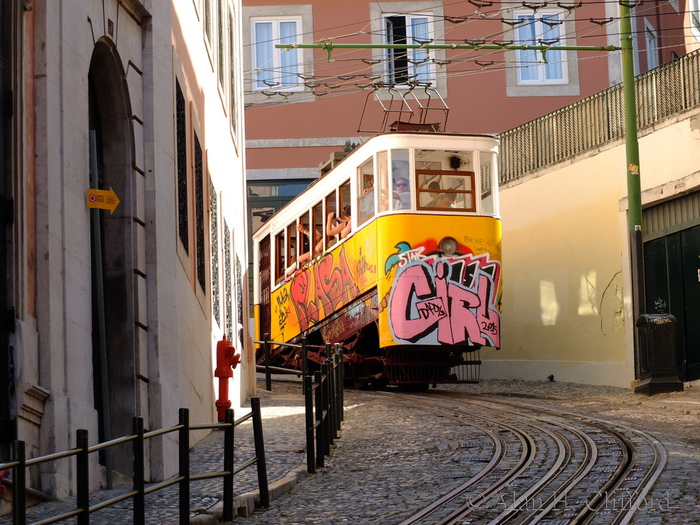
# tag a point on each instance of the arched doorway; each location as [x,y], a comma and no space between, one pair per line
[111,147]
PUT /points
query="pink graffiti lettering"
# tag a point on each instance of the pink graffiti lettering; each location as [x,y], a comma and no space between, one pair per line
[425,300]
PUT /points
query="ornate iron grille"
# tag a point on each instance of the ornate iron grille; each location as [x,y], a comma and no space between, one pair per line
[228,292]
[199,210]
[181,139]
[214,233]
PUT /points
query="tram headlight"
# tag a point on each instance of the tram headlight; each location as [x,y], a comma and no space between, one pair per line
[448,246]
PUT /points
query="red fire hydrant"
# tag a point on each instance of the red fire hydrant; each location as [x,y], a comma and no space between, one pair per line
[226,360]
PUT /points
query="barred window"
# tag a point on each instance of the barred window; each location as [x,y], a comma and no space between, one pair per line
[228,292]
[214,235]
[181,144]
[199,210]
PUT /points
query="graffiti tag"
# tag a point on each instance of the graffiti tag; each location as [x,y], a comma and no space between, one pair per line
[449,302]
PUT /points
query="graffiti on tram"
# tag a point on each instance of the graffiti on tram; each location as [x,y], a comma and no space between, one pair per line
[447,301]
[317,291]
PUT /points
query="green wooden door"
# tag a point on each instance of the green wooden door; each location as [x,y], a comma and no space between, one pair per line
[672,286]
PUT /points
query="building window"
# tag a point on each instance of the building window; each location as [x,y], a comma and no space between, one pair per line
[275,69]
[413,65]
[181,145]
[532,67]
[208,21]
[233,91]
[408,22]
[215,264]
[220,43]
[694,11]
[652,45]
[199,211]
[228,295]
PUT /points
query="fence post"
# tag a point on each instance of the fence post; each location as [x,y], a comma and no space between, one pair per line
[330,400]
[139,476]
[184,457]
[266,346]
[19,480]
[309,402]
[228,466]
[325,382]
[304,358]
[82,476]
[341,382]
[335,396]
[320,446]
[260,451]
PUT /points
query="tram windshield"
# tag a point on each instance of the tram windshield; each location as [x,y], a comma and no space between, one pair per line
[404,179]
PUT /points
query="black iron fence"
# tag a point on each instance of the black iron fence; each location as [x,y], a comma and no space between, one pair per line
[82,451]
[323,397]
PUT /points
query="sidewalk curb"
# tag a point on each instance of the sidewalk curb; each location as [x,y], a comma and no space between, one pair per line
[245,504]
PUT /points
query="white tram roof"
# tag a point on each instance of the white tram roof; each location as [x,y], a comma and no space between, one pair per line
[321,187]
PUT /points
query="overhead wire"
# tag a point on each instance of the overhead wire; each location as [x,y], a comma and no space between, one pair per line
[342,81]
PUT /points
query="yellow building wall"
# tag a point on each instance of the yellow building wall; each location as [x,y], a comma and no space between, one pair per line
[566,292]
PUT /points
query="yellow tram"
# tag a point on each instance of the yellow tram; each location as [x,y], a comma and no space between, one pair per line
[396,255]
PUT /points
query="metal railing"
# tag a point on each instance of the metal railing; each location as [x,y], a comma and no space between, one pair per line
[600,118]
[81,452]
[324,391]
[323,397]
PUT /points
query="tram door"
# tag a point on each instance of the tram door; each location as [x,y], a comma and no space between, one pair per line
[265,286]
[672,281]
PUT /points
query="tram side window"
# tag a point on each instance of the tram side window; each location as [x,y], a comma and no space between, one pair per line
[401,177]
[383,180]
[291,248]
[279,257]
[332,218]
[365,191]
[446,190]
[345,207]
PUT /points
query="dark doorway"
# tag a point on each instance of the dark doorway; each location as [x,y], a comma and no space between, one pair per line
[112,251]
[672,281]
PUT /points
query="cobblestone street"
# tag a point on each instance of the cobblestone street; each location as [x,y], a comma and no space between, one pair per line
[392,460]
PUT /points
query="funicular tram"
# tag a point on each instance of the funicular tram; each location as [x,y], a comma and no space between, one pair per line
[395,254]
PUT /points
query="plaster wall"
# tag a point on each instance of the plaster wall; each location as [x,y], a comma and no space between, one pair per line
[566,301]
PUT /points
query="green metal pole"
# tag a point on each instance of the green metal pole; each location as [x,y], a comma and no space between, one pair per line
[634,195]
[634,189]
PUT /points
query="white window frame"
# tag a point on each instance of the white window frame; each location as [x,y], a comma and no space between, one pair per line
[651,39]
[278,57]
[539,66]
[378,9]
[694,14]
[415,70]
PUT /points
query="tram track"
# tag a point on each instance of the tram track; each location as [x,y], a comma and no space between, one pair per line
[547,466]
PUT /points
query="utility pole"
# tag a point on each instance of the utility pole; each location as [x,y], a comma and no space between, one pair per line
[634,191]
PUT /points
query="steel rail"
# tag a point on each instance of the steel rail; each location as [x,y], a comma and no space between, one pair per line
[592,507]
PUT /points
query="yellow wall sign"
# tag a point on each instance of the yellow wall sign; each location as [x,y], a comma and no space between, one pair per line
[102,199]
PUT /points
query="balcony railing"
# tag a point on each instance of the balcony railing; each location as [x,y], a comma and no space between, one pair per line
[595,120]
